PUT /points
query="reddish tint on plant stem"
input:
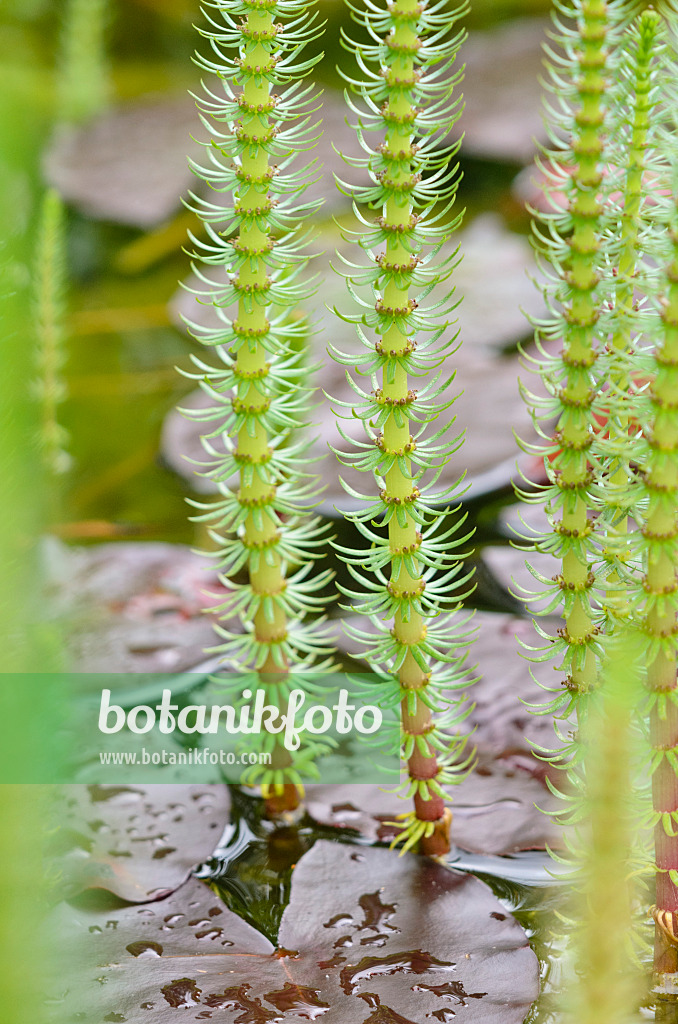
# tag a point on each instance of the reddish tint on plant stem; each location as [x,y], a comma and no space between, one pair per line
[409,570]
[261,526]
[664,733]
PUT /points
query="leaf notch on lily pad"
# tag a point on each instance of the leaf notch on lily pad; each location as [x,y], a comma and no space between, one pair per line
[367,938]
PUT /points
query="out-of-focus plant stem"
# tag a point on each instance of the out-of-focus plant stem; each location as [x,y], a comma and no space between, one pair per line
[83,74]
[609,986]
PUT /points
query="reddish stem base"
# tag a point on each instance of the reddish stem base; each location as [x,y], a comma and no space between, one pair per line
[438,843]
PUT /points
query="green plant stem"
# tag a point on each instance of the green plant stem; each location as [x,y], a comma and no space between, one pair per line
[261,527]
[83,83]
[49,387]
[574,429]
[608,988]
[409,626]
[251,369]
[257,489]
[408,577]
[619,379]
[660,534]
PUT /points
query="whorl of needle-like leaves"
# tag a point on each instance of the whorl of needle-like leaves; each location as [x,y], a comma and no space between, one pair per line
[657,605]
[629,430]
[634,247]
[654,589]
[407,574]
[569,240]
[83,85]
[259,114]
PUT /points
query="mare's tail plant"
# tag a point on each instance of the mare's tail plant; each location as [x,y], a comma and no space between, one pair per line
[608,986]
[409,575]
[49,287]
[656,592]
[569,241]
[259,114]
[612,461]
[83,83]
[639,451]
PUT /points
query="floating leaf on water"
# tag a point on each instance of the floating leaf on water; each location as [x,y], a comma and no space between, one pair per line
[129,165]
[111,836]
[503,727]
[489,405]
[133,607]
[502,90]
[494,811]
[449,946]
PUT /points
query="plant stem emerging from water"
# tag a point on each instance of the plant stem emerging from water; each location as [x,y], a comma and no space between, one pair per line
[410,574]
[260,111]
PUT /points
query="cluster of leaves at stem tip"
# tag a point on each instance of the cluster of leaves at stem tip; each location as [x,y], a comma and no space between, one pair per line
[259,112]
[608,355]
[407,572]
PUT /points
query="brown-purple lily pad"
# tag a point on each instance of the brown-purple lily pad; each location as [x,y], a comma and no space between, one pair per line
[338,140]
[509,687]
[502,90]
[130,164]
[367,938]
[161,928]
[138,842]
[509,564]
[501,263]
[494,260]
[496,810]
[134,607]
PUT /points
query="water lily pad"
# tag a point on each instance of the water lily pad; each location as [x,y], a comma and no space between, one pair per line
[134,607]
[508,563]
[338,139]
[138,842]
[501,263]
[494,261]
[502,90]
[497,808]
[494,811]
[129,165]
[367,937]
[505,729]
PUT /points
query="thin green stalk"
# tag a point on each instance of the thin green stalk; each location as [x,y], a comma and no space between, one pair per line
[658,607]
[609,985]
[571,468]
[22,516]
[571,242]
[632,472]
[49,387]
[615,451]
[83,82]
[396,442]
